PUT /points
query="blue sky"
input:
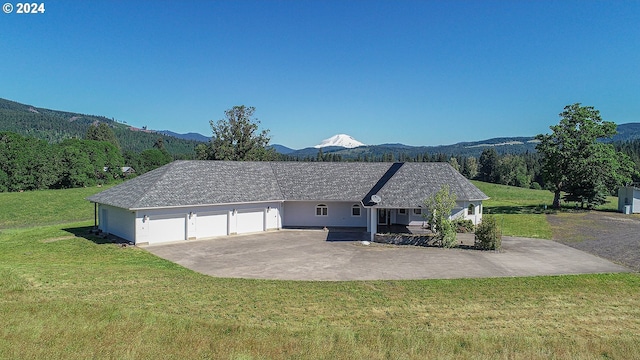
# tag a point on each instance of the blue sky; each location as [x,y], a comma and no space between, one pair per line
[412,72]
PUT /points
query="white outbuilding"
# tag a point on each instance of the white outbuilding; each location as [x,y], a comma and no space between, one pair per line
[629,199]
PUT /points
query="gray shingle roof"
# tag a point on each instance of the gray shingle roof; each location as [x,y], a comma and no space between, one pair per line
[193,183]
[183,183]
[412,183]
[327,180]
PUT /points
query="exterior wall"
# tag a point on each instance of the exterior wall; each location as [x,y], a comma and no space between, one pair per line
[303,213]
[146,230]
[630,196]
[116,221]
[460,211]
[163,225]
[408,218]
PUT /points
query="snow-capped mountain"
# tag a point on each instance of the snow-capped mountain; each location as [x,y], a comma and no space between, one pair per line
[343,140]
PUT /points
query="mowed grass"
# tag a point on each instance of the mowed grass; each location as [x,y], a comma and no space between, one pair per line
[45,207]
[522,212]
[65,296]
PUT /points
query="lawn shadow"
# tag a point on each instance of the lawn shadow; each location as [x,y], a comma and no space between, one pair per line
[530,209]
[90,233]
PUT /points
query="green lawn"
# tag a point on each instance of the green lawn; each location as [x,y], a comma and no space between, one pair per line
[63,295]
[45,207]
[521,212]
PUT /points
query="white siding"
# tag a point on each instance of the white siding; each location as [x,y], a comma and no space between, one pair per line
[273,218]
[476,217]
[460,211]
[415,219]
[303,213]
[629,196]
[408,218]
[117,221]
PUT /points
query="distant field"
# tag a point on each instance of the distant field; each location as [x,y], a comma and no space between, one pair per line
[63,295]
[513,199]
[521,212]
[46,207]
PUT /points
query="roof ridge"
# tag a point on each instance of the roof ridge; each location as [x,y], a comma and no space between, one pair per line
[388,175]
[276,178]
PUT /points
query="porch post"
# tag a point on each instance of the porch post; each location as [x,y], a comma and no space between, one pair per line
[373,218]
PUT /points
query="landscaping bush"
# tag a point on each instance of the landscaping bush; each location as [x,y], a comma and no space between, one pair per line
[488,234]
[463,226]
[447,235]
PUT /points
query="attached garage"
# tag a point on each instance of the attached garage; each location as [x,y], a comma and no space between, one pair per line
[251,220]
[166,228]
[212,224]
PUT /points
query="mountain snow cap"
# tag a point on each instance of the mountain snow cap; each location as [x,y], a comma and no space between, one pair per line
[342,140]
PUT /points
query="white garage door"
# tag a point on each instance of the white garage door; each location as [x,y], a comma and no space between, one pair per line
[250,221]
[211,224]
[164,229]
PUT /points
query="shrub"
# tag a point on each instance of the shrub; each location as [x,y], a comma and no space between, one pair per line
[488,234]
[463,226]
[439,207]
[447,235]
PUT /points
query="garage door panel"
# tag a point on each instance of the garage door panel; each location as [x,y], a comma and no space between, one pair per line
[165,229]
[211,224]
[250,221]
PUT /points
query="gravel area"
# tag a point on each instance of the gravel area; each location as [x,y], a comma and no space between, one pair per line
[610,235]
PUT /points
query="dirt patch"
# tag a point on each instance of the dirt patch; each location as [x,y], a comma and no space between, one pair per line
[613,236]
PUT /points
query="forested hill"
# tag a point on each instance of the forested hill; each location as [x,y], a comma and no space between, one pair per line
[55,126]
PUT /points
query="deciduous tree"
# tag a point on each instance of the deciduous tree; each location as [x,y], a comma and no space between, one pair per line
[237,137]
[102,132]
[439,207]
[575,161]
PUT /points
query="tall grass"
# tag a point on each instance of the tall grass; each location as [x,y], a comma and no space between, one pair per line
[64,296]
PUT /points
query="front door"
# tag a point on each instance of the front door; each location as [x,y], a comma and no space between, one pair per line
[383,217]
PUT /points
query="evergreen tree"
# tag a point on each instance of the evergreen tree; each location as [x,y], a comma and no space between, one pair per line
[470,167]
[487,165]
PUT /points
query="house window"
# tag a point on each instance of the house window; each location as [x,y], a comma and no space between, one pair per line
[355,210]
[321,210]
[402,211]
[471,210]
[417,211]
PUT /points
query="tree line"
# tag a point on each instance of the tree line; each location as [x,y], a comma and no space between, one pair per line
[28,163]
[56,126]
[574,160]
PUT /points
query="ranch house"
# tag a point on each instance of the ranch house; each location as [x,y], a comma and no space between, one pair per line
[189,200]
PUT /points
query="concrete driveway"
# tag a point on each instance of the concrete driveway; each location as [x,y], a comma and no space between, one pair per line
[308,255]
